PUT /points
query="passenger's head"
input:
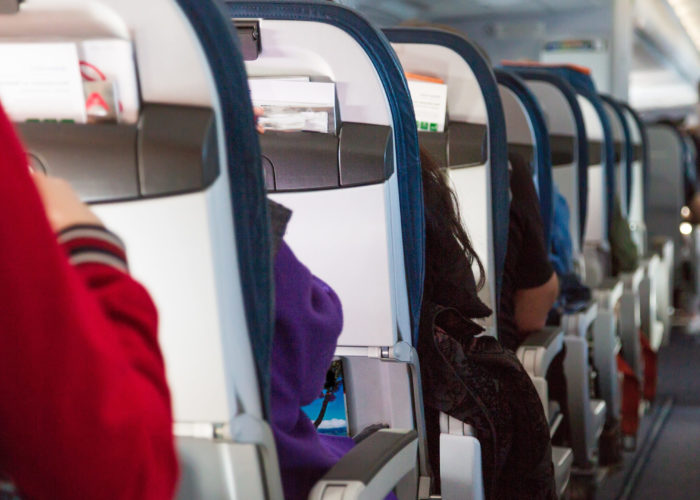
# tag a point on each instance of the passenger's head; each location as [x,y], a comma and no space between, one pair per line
[446,238]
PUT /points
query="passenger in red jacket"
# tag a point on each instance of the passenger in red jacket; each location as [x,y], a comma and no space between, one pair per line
[84,403]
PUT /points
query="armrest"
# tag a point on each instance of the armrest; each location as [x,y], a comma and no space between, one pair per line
[609,293]
[539,349]
[660,244]
[579,307]
[220,469]
[461,474]
[371,469]
[633,279]
[577,323]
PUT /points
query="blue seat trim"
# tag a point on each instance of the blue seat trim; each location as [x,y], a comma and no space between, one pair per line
[629,147]
[584,86]
[543,154]
[645,154]
[497,141]
[246,182]
[691,176]
[391,75]
[569,94]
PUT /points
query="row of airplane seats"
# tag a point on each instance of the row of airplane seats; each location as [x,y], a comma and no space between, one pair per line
[187,189]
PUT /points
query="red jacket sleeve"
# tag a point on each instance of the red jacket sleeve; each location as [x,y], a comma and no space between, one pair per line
[84,404]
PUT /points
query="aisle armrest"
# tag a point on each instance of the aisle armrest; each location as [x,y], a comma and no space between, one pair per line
[563,460]
[577,323]
[536,354]
[661,244]
[539,349]
[372,468]
[609,293]
[632,280]
[461,474]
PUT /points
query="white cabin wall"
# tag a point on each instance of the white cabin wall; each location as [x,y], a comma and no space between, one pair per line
[524,36]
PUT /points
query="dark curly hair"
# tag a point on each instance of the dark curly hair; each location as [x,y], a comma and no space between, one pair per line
[447,241]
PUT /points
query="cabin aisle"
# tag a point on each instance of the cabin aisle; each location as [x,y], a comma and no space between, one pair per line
[666,462]
[673,469]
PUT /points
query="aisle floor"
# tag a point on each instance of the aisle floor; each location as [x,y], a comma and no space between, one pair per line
[672,470]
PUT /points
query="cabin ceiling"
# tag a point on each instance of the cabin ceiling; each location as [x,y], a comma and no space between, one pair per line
[449,11]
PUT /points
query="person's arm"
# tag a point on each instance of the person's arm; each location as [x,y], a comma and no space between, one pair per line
[694,206]
[537,286]
[85,407]
[532,305]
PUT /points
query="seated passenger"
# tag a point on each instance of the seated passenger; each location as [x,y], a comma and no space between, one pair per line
[473,378]
[530,285]
[572,292]
[308,321]
[85,407]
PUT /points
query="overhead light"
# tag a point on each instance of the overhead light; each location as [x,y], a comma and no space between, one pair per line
[686,228]
[688,13]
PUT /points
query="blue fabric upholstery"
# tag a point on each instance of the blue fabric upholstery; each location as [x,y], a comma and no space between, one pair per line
[691,176]
[645,154]
[497,141]
[391,75]
[246,181]
[561,253]
[569,94]
[584,86]
[543,155]
[629,147]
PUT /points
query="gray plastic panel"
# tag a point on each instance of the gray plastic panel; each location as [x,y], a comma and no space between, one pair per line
[172,150]
[619,152]
[249,38]
[302,160]
[366,154]
[269,174]
[525,151]
[365,460]
[638,153]
[562,147]
[595,152]
[467,144]
[177,149]
[9,6]
[361,154]
[461,145]
[98,160]
[435,143]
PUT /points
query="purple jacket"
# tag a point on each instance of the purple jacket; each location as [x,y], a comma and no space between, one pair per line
[308,321]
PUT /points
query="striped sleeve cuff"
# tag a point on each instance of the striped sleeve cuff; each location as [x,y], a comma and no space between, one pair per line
[93,245]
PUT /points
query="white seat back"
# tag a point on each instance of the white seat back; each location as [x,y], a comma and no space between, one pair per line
[462,87]
[203,332]
[620,141]
[471,184]
[636,207]
[182,233]
[666,188]
[597,217]
[349,237]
